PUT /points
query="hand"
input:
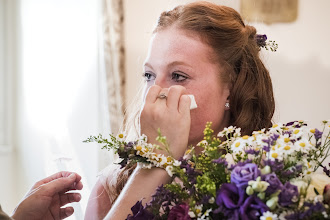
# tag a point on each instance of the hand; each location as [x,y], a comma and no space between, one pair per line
[45,199]
[171,115]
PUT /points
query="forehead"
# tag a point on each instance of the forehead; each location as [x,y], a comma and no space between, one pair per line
[173,44]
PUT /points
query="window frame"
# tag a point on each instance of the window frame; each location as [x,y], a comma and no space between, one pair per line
[8,58]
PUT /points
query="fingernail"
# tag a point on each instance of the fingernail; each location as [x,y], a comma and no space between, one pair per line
[72,176]
[78,197]
[69,211]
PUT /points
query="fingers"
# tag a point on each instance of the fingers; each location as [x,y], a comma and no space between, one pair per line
[184,104]
[173,97]
[153,93]
[69,198]
[57,176]
[59,185]
[66,212]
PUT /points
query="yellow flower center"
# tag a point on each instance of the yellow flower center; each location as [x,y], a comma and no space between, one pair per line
[198,211]
[273,147]
[274,155]
[120,135]
[296,131]
[138,148]
[269,218]
[302,144]
[275,125]
[245,137]
[169,159]
[286,140]
[312,131]
[287,147]
[237,144]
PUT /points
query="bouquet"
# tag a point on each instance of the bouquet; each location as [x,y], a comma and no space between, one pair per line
[268,175]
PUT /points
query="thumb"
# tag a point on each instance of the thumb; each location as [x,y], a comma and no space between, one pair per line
[58,185]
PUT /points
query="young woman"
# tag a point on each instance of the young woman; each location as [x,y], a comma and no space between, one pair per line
[201,49]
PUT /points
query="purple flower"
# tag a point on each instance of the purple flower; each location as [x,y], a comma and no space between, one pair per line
[252,208]
[252,151]
[274,183]
[241,175]
[261,40]
[139,212]
[221,160]
[229,199]
[179,212]
[276,165]
[326,170]
[318,134]
[311,210]
[288,193]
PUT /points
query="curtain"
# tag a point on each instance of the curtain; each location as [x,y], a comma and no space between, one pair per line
[114,57]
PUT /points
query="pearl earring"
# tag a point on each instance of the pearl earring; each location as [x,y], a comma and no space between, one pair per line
[227,105]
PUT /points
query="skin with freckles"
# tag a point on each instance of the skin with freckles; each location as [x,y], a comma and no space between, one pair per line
[178,63]
[179,57]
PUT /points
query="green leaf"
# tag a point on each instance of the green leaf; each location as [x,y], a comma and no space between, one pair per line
[316,192]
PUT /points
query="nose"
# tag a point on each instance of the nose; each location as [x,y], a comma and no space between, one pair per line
[162,81]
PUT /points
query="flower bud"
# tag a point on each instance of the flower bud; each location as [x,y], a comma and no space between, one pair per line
[261,195]
[326,194]
[249,191]
[272,203]
[266,170]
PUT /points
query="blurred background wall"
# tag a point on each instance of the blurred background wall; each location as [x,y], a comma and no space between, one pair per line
[67,56]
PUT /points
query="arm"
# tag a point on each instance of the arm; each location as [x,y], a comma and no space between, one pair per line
[98,203]
[157,113]
[141,185]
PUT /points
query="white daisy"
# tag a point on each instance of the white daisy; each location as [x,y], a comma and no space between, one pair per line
[239,145]
[303,145]
[269,216]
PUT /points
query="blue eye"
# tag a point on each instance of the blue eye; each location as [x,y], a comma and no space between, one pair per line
[148,76]
[177,77]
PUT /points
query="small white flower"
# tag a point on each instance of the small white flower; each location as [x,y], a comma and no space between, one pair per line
[297,132]
[198,210]
[269,216]
[176,163]
[303,145]
[121,137]
[205,216]
[318,198]
[145,166]
[325,215]
[239,145]
[275,153]
[202,143]
[276,128]
[169,170]
[191,214]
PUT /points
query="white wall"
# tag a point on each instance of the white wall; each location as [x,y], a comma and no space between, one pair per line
[300,69]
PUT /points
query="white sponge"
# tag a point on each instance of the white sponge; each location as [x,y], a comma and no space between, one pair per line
[193,103]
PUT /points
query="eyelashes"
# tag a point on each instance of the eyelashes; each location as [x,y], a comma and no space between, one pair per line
[175,76]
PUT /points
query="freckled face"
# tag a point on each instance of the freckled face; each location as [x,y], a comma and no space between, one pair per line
[178,58]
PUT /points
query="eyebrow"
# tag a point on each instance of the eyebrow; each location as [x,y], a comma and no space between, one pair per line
[174,63]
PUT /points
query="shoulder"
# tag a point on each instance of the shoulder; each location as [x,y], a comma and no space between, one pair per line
[102,194]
